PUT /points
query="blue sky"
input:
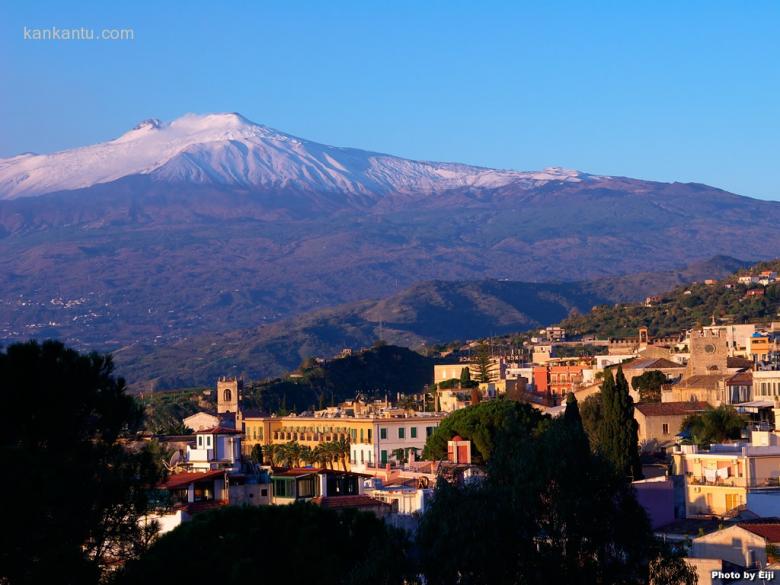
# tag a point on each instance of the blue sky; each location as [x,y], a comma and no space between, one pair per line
[686,91]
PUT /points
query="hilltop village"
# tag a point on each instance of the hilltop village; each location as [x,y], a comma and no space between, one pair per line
[704,404]
[599,459]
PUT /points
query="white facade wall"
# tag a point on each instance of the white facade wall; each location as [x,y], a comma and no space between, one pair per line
[391,434]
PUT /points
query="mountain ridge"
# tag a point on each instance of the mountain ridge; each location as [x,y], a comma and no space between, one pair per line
[425,313]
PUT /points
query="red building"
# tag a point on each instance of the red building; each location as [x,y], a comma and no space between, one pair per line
[557,380]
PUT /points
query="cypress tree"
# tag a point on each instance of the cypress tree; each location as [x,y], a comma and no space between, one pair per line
[573,421]
[619,435]
[465,378]
[572,413]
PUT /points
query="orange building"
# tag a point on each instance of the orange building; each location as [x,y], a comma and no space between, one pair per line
[557,379]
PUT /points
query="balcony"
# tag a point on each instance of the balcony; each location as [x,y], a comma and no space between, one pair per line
[739,482]
[200,454]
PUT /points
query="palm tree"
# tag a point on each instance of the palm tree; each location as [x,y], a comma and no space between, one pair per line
[269,453]
[295,453]
[715,425]
[318,455]
[342,448]
[332,449]
[307,455]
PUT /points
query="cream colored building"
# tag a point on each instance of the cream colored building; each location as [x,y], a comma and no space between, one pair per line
[497,370]
[744,545]
[444,372]
[766,385]
[730,477]
[661,421]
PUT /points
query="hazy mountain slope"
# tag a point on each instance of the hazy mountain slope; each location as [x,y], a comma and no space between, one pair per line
[223,225]
[428,312]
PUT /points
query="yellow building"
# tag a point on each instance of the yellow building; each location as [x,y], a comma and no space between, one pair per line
[760,346]
[730,477]
[373,439]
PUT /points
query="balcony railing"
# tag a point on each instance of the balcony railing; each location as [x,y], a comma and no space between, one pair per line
[735,482]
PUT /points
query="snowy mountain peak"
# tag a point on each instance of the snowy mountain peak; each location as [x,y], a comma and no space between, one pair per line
[150,123]
[229,149]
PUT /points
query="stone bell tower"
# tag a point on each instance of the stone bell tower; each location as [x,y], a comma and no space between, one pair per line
[228,394]
[709,353]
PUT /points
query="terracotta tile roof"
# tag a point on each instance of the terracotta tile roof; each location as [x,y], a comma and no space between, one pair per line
[768,530]
[220,431]
[641,363]
[738,362]
[702,381]
[178,480]
[670,408]
[741,379]
[342,502]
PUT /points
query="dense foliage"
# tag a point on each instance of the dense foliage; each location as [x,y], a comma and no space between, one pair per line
[680,309]
[164,411]
[71,501]
[382,370]
[549,511]
[301,543]
[715,425]
[649,385]
[482,424]
[592,414]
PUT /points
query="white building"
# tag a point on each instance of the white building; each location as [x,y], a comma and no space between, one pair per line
[387,435]
[215,448]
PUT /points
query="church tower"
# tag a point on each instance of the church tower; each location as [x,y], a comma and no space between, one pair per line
[709,353]
[228,394]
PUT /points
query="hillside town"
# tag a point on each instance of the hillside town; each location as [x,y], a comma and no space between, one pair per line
[716,498]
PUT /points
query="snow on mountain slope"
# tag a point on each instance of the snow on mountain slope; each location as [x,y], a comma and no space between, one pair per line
[229,149]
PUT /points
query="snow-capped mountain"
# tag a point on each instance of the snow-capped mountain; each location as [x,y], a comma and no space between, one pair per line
[228,149]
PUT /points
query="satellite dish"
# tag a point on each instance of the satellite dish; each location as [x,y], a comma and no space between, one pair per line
[174,461]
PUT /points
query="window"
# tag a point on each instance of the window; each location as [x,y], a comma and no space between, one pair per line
[401,433]
[369,435]
[732,501]
[383,433]
[306,487]
[341,485]
[383,456]
[665,428]
[414,432]
[283,488]
[264,492]
[428,431]
[200,440]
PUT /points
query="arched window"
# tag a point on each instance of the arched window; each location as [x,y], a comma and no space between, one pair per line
[227,395]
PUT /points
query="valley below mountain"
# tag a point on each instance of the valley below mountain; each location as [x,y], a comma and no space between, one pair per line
[426,313]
